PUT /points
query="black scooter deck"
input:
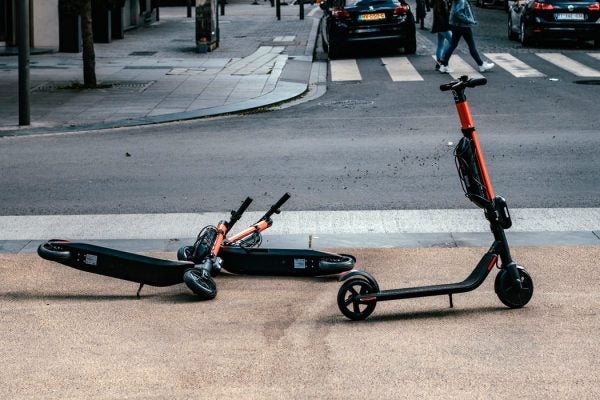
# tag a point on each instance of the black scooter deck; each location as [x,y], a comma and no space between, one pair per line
[115,263]
[283,262]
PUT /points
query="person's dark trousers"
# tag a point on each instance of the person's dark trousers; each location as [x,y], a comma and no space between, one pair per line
[457,33]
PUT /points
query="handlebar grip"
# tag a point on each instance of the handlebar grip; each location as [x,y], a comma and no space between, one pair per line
[281,201]
[476,82]
[275,207]
[447,86]
[236,215]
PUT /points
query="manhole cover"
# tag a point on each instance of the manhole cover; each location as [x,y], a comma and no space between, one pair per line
[347,103]
[142,53]
[588,82]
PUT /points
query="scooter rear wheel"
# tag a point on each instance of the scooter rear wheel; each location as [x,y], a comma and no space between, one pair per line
[348,302]
[508,292]
[53,252]
[201,283]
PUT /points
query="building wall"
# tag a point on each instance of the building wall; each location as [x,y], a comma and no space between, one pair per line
[45,23]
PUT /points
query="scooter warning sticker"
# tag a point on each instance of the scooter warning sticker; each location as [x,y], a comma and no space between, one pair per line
[299,263]
[91,259]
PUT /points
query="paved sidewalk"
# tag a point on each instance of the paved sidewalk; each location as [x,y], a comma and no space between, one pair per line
[158,76]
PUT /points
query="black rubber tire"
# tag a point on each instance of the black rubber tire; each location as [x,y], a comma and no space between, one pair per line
[597,42]
[53,252]
[346,295]
[508,294]
[509,28]
[333,51]
[185,253]
[338,263]
[410,47]
[201,283]
[524,38]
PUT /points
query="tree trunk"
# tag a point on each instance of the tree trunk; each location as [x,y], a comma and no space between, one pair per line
[89,57]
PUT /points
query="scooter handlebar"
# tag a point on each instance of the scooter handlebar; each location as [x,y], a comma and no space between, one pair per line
[463,82]
[275,207]
[236,215]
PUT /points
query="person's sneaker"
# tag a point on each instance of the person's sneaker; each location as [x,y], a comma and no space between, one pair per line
[486,66]
[437,65]
[445,69]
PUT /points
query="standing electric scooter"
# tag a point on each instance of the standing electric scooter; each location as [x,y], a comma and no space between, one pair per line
[360,292]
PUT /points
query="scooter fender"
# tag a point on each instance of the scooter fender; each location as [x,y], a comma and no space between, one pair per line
[362,274]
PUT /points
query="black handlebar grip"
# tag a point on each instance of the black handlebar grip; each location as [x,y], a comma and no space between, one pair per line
[236,215]
[447,86]
[476,82]
[275,207]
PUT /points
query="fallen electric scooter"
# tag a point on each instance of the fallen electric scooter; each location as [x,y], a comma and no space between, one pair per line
[135,267]
[241,254]
[360,292]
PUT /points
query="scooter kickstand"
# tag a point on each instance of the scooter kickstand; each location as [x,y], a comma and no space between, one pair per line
[139,290]
[451,303]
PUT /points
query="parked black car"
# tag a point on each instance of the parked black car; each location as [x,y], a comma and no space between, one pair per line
[531,20]
[348,22]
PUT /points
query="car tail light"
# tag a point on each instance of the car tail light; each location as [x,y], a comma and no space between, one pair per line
[542,6]
[402,9]
[340,13]
[594,7]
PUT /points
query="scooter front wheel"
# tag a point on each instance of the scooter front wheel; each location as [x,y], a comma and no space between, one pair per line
[508,292]
[348,299]
[201,283]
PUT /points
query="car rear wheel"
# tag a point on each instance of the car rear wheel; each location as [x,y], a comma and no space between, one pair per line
[597,42]
[333,50]
[410,47]
[511,33]
[524,36]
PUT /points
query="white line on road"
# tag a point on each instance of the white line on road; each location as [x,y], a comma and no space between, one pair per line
[400,69]
[514,66]
[167,226]
[344,70]
[568,64]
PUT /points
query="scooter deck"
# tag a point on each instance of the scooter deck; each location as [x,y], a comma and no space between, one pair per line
[283,262]
[472,282]
[116,263]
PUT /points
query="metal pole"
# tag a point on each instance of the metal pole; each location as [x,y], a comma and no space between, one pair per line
[189,8]
[278,8]
[23,31]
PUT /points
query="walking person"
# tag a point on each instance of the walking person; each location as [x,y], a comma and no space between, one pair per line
[421,13]
[461,20]
[441,26]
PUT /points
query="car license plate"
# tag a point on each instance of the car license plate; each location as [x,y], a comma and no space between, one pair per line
[569,17]
[371,17]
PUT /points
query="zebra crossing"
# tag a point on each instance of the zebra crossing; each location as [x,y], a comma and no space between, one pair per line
[404,68]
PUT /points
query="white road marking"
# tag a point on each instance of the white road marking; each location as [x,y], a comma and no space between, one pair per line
[167,226]
[595,55]
[460,67]
[400,69]
[570,65]
[514,66]
[344,70]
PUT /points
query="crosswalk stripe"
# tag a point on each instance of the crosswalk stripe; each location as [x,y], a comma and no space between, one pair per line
[400,69]
[344,70]
[595,55]
[461,67]
[570,65]
[514,66]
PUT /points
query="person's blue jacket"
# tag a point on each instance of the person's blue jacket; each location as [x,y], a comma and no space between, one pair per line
[461,14]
